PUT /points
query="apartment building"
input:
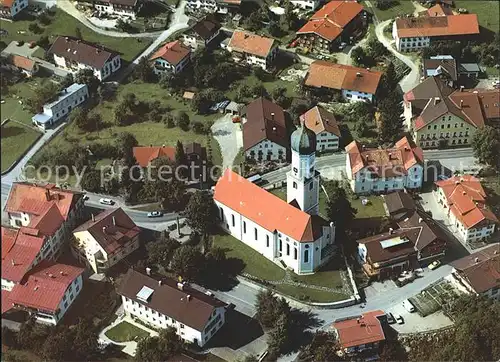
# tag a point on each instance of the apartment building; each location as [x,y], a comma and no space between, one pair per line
[416,33]
[162,303]
[67,100]
[324,124]
[464,201]
[172,58]
[73,54]
[252,49]
[105,239]
[334,23]
[355,84]
[383,170]
[10,8]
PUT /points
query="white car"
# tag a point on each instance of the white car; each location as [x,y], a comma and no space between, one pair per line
[408,306]
[399,319]
[155,214]
[106,201]
[434,265]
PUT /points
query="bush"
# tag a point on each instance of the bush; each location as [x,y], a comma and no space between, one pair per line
[183,121]
[199,128]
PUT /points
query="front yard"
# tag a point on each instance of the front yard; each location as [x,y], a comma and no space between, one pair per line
[125,332]
[16,140]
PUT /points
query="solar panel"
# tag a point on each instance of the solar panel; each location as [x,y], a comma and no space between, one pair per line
[144,293]
[393,242]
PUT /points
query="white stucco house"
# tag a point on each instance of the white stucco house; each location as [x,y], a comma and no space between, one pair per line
[171,57]
[10,8]
[163,303]
[324,124]
[214,6]
[73,54]
[384,170]
[291,233]
[253,49]
[305,4]
[68,99]
[123,8]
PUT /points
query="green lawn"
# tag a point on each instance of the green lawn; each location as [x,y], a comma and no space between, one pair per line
[375,207]
[327,276]
[125,331]
[64,24]
[312,295]
[487,12]
[255,264]
[402,8]
[252,80]
[16,139]
[11,109]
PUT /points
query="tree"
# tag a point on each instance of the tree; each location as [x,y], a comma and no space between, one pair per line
[278,339]
[171,194]
[338,208]
[43,42]
[84,344]
[91,181]
[46,92]
[143,70]
[9,338]
[199,128]
[358,56]
[389,81]
[121,114]
[486,146]
[161,348]
[35,28]
[201,213]
[125,143]
[57,346]
[86,76]
[67,81]
[187,262]
[160,252]
[323,347]
[391,122]
[270,308]
[181,161]
[183,121]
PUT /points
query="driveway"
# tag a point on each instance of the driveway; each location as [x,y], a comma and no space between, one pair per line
[230,138]
[414,323]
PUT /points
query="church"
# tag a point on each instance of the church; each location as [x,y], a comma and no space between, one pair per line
[291,233]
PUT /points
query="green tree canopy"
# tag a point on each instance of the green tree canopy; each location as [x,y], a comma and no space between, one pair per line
[187,262]
[486,146]
[323,347]
[201,213]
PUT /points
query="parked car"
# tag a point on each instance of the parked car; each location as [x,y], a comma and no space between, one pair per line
[155,214]
[106,201]
[434,265]
[390,318]
[408,306]
[85,197]
[399,319]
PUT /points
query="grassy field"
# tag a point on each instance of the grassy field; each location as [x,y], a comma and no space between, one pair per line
[64,24]
[11,109]
[402,8]
[125,331]
[487,12]
[375,207]
[251,80]
[16,139]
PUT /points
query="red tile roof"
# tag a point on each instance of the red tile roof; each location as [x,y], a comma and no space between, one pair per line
[6,303]
[23,62]
[329,21]
[145,155]
[19,252]
[339,76]
[365,329]
[111,229]
[467,200]
[439,10]
[319,119]
[264,208]
[465,24]
[385,163]
[173,52]
[45,286]
[6,3]
[251,43]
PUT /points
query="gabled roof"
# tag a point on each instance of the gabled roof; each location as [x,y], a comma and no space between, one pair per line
[360,330]
[430,26]
[339,76]
[467,200]
[329,21]
[23,62]
[438,10]
[404,247]
[481,269]
[45,286]
[265,209]
[264,120]
[111,229]
[385,163]
[145,155]
[206,27]
[173,52]
[246,42]
[19,252]
[441,65]
[399,203]
[81,51]
[187,306]
[319,119]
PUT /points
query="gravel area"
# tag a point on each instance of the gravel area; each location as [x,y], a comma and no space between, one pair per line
[230,138]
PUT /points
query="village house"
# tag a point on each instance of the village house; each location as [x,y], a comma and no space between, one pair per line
[324,124]
[73,54]
[440,116]
[384,170]
[253,49]
[417,241]
[68,99]
[305,4]
[464,201]
[10,8]
[124,8]
[478,273]
[46,292]
[290,233]
[414,34]
[264,131]
[105,239]
[171,58]
[437,10]
[355,84]
[336,22]
[214,6]
[27,66]
[201,33]
[162,302]
[451,71]
[361,335]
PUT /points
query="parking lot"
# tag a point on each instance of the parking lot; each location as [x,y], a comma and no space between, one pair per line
[432,298]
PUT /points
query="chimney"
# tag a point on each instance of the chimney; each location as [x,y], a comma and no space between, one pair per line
[358,74]
[93,217]
[367,69]
[180,286]
[391,230]
[436,100]
[357,320]
[62,273]
[272,116]
[36,288]
[464,193]
[476,260]
[148,271]
[47,195]
[188,297]
[420,220]
[461,103]
[51,275]
[150,145]
[114,221]
[159,282]
[462,88]
[13,262]
[274,129]
[104,229]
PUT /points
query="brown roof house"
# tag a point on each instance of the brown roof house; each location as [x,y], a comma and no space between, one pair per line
[73,54]
[202,32]
[479,272]
[171,58]
[416,241]
[265,135]
[163,302]
[105,239]
[324,124]
[355,84]
[253,49]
